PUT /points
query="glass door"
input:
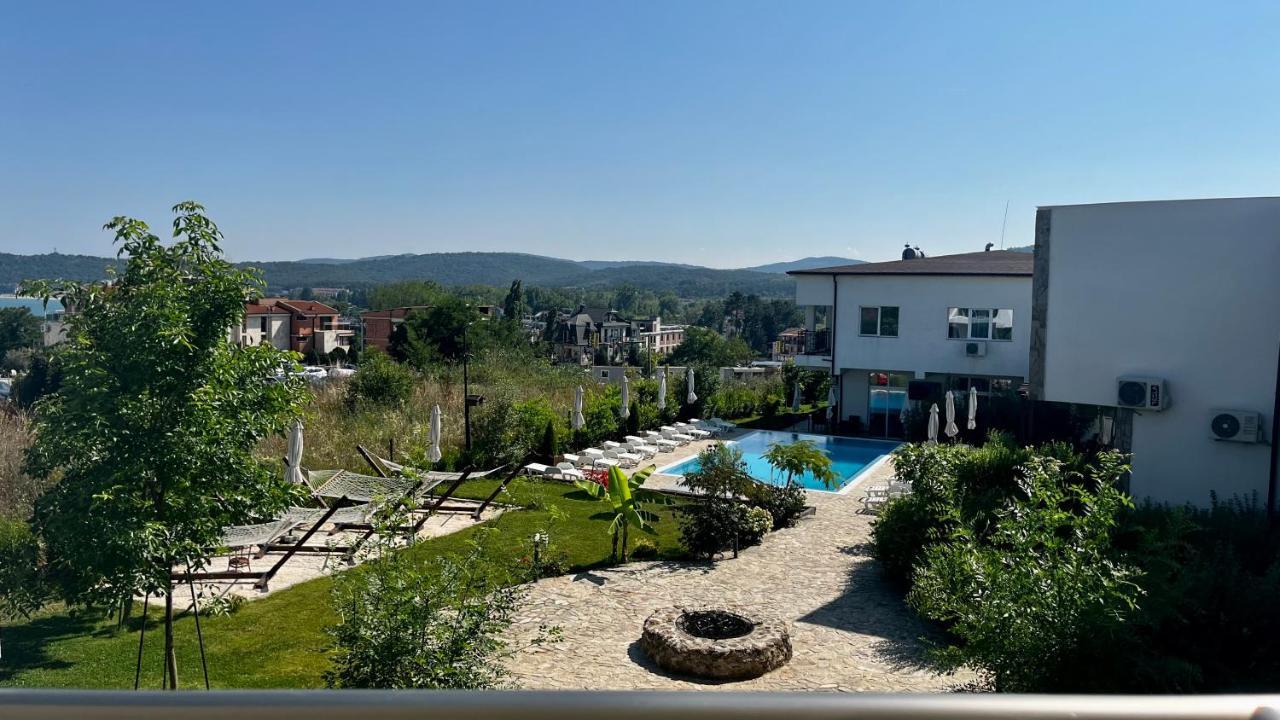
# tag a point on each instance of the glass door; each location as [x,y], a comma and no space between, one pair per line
[886,403]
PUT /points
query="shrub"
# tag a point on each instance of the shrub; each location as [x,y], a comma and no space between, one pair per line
[784,504]
[644,550]
[1039,606]
[506,431]
[380,382]
[549,447]
[756,522]
[403,623]
[22,583]
[899,536]
[710,527]
[716,521]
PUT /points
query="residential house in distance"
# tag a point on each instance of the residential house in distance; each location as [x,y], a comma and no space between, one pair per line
[910,329]
[378,325]
[582,333]
[303,326]
[1165,317]
[657,338]
[788,346]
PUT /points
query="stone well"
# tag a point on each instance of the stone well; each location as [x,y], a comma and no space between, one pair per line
[724,643]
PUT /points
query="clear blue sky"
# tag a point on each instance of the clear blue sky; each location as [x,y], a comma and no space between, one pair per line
[724,134]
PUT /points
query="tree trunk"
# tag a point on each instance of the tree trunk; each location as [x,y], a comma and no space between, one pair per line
[624,543]
[170,659]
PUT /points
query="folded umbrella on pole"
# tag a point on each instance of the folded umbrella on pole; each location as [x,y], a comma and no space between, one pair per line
[662,390]
[973,408]
[625,411]
[952,428]
[293,469]
[434,454]
[577,421]
[691,397]
[933,423]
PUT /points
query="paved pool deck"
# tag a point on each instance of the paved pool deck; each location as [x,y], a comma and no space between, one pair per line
[850,630]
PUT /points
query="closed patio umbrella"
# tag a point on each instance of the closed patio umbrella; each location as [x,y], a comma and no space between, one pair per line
[795,398]
[952,429]
[434,453]
[662,390]
[973,408]
[577,421]
[293,468]
[625,410]
[933,423]
[831,402]
[691,397]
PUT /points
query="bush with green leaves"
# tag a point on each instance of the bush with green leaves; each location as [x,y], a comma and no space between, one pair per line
[717,521]
[1037,603]
[408,624]
[23,584]
[505,431]
[380,381]
[783,503]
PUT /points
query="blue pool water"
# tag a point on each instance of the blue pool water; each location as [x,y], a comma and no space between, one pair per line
[849,456]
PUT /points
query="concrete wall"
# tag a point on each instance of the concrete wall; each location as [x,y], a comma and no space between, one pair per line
[1188,291]
[922,344]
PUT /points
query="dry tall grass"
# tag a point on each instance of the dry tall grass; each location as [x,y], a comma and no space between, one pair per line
[332,430]
[18,491]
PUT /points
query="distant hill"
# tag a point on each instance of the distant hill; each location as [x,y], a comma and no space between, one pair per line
[1024,248]
[606,264]
[808,263]
[468,268]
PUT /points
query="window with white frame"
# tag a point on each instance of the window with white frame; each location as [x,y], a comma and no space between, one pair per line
[979,323]
[880,320]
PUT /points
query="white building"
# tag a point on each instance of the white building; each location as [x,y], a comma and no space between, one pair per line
[933,324]
[263,324]
[1182,293]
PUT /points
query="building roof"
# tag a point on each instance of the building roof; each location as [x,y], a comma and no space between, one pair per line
[261,309]
[306,307]
[994,262]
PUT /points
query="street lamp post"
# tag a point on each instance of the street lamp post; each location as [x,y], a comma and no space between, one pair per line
[466,390]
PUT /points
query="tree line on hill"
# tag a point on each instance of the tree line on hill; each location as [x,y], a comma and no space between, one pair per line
[450,269]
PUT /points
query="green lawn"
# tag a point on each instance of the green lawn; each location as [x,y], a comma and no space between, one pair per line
[279,641]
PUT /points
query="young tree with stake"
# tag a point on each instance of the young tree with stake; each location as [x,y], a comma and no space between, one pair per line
[154,427]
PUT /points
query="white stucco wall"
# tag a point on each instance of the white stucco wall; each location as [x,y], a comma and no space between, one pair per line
[922,344]
[1188,291]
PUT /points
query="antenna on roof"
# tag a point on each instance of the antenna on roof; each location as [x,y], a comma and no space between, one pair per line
[1004,223]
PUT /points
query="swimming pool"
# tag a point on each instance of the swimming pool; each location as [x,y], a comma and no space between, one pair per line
[849,457]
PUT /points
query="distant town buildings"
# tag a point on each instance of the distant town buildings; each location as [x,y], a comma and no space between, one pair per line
[303,326]
[589,336]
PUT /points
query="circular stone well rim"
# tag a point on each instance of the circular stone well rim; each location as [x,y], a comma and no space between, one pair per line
[767,647]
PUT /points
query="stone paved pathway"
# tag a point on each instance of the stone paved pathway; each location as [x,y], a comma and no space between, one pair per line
[850,631]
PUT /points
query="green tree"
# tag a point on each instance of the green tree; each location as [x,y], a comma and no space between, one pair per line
[706,347]
[154,426]
[18,329]
[513,304]
[799,458]
[380,381]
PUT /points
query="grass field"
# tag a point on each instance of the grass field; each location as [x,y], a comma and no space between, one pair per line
[280,640]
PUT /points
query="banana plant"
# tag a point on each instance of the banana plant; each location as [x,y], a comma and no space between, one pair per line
[627,499]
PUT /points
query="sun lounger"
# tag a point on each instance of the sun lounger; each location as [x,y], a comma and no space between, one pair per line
[644,450]
[671,433]
[535,469]
[687,429]
[565,471]
[625,459]
[663,442]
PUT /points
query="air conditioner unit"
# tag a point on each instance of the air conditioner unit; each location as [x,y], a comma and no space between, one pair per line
[975,348]
[1142,393]
[1236,425]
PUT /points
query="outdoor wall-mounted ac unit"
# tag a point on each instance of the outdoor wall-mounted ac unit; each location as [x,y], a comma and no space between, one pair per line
[975,348]
[1142,393]
[1236,426]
